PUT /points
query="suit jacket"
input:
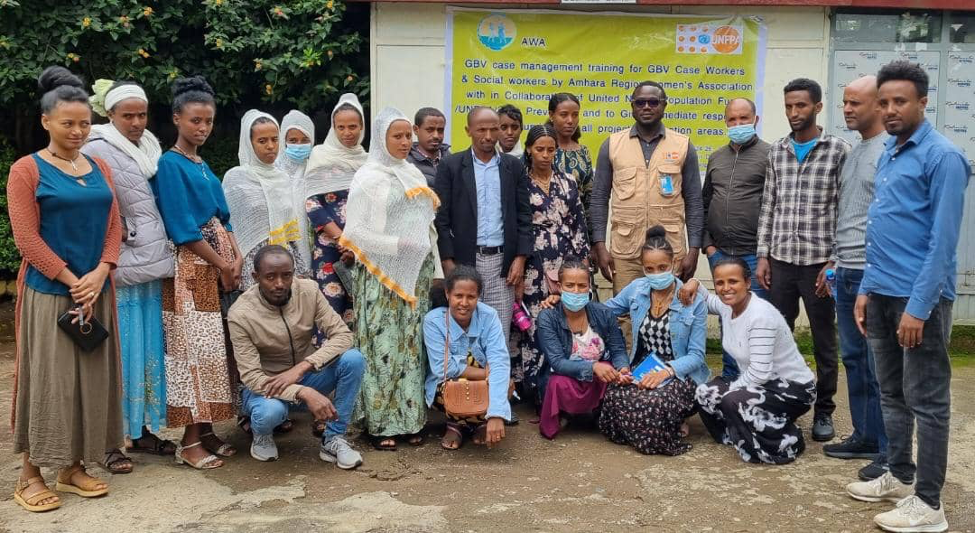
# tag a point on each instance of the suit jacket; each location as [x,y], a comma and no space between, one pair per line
[457,218]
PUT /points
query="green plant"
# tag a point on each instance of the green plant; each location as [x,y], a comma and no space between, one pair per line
[9,257]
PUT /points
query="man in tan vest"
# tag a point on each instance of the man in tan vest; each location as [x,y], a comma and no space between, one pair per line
[649,175]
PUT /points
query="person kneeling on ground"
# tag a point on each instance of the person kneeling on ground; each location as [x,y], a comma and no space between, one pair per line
[477,351]
[584,350]
[756,413]
[272,327]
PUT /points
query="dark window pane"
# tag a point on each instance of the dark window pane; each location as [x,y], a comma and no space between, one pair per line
[961,27]
[888,26]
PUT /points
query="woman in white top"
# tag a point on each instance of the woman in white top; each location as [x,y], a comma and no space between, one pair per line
[755,413]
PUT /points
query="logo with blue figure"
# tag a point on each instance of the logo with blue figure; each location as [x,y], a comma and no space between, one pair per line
[496,32]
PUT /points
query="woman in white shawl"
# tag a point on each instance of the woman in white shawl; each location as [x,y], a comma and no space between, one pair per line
[145,259]
[331,169]
[265,205]
[390,215]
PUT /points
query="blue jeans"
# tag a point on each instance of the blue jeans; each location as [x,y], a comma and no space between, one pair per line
[863,385]
[730,370]
[343,376]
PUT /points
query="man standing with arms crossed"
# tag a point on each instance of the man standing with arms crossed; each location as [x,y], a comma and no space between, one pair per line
[905,303]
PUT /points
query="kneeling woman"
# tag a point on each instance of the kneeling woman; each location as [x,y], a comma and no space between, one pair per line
[756,413]
[583,347]
[469,334]
[650,414]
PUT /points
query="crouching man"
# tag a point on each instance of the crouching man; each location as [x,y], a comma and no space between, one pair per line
[272,327]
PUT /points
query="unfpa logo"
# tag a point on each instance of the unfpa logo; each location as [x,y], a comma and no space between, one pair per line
[708,39]
[496,32]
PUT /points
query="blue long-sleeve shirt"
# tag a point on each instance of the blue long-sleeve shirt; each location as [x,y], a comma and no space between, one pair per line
[483,339]
[914,221]
[188,195]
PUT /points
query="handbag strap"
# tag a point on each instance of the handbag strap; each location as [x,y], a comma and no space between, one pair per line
[447,346]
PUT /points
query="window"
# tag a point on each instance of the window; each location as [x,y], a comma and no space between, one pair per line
[961,27]
[887,26]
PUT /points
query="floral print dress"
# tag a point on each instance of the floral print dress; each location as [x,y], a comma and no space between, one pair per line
[578,165]
[323,209]
[559,232]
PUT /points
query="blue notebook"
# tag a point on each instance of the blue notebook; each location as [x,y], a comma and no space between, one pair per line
[651,364]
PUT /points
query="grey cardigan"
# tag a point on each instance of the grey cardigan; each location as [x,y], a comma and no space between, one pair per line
[146,254]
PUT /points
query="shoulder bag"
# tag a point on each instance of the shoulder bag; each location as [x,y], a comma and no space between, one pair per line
[462,398]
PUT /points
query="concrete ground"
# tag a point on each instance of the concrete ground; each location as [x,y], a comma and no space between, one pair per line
[579,482]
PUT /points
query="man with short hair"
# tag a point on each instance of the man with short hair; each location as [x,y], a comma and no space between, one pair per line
[732,194]
[649,175]
[905,301]
[272,328]
[862,114]
[510,126]
[430,148]
[797,227]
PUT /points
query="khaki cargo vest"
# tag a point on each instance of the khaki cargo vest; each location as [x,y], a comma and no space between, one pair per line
[638,199]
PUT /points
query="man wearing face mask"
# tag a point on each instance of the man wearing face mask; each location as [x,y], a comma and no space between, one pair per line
[272,327]
[732,195]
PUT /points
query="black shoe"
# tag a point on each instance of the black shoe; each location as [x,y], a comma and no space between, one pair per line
[851,448]
[874,469]
[824,428]
[513,421]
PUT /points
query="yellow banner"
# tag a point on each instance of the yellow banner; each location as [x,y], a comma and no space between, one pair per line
[522,57]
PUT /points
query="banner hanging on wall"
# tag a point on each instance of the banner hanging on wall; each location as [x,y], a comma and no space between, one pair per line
[521,57]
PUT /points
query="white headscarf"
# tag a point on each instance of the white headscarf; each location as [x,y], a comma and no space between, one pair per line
[332,164]
[262,200]
[147,152]
[389,214]
[294,120]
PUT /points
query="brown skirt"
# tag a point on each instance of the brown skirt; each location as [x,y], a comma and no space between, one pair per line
[68,404]
[198,386]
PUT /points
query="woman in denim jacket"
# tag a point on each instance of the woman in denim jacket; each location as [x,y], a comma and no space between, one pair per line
[583,347]
[478,351]
[650,414]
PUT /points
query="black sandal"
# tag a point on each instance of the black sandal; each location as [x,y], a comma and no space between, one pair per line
[378,443]
[244,423]
[159,446]
[115,462]
[415,439]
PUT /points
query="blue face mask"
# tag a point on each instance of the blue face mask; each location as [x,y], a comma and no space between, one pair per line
[661,281]
[298,152]
[742,133]
[574,301]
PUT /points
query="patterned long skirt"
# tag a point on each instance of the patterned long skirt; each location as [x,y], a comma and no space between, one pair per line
[648,419]
[198,387]
[141,340]
[389,333]
[757,421]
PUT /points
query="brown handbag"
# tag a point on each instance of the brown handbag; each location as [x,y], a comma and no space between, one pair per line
[462,398]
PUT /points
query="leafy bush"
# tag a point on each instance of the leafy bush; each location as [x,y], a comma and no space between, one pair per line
[9,257]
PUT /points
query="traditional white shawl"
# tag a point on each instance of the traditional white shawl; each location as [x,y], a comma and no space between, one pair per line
[262,200]
[389,214]
[294,120]
[332,165]
[146,154]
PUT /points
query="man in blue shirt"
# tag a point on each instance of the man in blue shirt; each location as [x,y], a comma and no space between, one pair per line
[906,298]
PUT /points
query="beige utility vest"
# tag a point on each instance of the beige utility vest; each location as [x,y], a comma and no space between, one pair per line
[639,196]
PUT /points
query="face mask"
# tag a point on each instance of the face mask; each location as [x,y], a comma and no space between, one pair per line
[298,152]
[574,301]
[742,133]
[661,281]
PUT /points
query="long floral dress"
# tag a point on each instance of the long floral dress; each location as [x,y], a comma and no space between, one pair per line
[323,209]
[578,165]
[559,232]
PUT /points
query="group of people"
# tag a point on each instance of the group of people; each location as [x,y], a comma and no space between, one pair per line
[380,277]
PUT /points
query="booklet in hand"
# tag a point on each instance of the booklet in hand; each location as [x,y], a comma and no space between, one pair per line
[651,364]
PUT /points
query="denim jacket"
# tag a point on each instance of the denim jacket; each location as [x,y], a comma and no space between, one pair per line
[687,325]
[556,342]
[484,340]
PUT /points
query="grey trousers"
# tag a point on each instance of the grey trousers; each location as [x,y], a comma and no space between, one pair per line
[495,292]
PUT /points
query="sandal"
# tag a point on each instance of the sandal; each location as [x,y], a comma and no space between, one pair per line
[415,439]
[207,463]
[224,450]
[478,436]
[31,503]
[88,488]
[457,438]
[384,443]
[318,428]
[117,462]
[158,447]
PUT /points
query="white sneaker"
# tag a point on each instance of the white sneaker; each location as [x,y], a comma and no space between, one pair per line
[885,487]
[263,448]
[912,515]
[337,450]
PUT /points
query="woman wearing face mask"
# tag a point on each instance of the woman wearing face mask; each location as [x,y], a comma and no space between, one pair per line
[559,231]
[145,260]
[650,414]
[265,207]
[584,350]
[390,221]
[332,166]
[295,147]
[477,351]
[208,262]
[572,158]
[756,413]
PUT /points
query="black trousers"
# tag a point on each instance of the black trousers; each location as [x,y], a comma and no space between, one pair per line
[790,283]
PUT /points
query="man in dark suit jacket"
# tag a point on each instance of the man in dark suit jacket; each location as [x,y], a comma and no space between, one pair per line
[485,219]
